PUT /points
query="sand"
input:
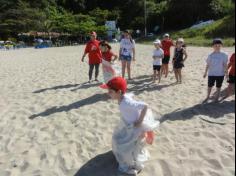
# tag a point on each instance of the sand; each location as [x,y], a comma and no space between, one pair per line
[52,124]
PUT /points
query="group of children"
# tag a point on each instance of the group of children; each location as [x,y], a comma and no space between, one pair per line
[137,123]
[161,58]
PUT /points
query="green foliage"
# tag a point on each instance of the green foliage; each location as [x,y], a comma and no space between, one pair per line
[78,17]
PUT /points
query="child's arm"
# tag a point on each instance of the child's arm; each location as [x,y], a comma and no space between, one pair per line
[84,56]
[134,52]
[185,55]
[206,71]
[141,118]
[86,51]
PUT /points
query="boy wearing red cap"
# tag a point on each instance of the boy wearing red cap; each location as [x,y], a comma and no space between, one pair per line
[134,131]
[95,56]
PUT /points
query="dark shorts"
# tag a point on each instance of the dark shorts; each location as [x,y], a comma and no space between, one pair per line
[215,79]
[166,60]
[231,79]
[126,58]
[157,67]
[178,65]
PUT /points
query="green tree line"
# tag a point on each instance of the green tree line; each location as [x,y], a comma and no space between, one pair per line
[78,17]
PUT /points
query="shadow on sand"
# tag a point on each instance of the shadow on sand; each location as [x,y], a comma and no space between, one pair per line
[145,83]
[85,102]
[212,110]
[68,86]
[101,165]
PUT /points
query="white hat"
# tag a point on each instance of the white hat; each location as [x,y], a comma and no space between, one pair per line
[167,35]
[180,40]
[157,42]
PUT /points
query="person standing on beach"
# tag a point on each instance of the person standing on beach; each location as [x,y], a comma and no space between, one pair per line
[231,79]
[166,43]
[107,53]
[158,55]
[108,59]
[217,63]
[135,130]
[127,53]
[180,57]
[95,56]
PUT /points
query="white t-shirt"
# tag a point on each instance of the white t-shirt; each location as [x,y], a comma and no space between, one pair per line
[127,47]
[158,54]
[131,109]
[217,63]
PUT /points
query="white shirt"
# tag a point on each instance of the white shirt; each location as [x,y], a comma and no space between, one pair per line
[131,109]
[158,54]
[217,63]
[127,47]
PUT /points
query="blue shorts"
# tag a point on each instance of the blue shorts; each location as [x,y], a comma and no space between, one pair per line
[126,58]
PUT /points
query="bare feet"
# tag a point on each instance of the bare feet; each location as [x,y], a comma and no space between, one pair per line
[206,100]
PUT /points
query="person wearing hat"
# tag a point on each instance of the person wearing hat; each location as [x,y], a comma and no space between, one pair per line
[127,53]
[134,130]
[180,57]
[166,43]
[158,55]
[108,57]
[217,63]
[94,54]
[107,53]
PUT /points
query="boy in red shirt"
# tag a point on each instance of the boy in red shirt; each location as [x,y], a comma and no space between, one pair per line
[166,43]
[94,54]
[231,81]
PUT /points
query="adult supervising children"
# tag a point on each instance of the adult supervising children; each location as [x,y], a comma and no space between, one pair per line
[95,56]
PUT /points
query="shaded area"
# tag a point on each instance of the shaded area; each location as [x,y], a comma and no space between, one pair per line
[145,83]
[85,102]
[212,110]
[86,86]
[68,86]
[101,165]
[57,88]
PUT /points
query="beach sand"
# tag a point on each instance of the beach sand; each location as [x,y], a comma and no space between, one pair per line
[52,124]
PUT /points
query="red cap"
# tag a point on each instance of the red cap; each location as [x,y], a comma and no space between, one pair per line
[117,83]
[93,33]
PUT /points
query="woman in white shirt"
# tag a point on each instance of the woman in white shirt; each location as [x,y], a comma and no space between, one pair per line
[127,53]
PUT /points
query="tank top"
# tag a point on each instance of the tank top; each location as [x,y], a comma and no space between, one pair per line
[179,55]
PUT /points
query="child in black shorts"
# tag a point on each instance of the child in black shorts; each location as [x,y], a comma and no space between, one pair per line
[158,55]
[216,69]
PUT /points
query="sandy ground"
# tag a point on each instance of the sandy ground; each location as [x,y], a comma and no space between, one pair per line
[52,124]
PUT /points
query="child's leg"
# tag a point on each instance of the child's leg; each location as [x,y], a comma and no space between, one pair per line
[91,68]
[230,90]
[163,69]
[129,69]
[180,75]
[176,75]
[159,76]
[97,71]
[123,68]
[211,83]
[154,76]
[219,82]
[167,70]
